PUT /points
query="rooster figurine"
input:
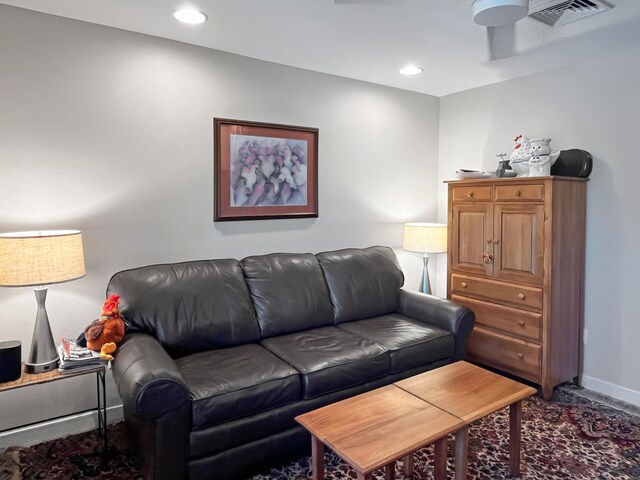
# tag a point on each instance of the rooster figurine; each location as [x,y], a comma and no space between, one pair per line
[103,334]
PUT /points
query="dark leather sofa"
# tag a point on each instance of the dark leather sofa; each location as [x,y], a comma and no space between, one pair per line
[221,355]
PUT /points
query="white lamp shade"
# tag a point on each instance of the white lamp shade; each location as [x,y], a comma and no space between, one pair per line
[40,258]
[425,237]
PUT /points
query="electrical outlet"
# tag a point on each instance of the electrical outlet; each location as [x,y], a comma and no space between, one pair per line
[585,336]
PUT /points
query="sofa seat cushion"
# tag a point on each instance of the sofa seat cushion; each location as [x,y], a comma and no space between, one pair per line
[330,358]
[411,343]
[236,382]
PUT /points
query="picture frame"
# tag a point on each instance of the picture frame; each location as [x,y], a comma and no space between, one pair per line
[264,170]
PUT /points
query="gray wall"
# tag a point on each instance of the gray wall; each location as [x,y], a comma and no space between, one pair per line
[110,132]
[594,107]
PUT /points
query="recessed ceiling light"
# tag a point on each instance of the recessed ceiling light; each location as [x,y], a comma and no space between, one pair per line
[190,16]
[410,70]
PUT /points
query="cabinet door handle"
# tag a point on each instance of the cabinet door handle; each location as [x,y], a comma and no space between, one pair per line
[521,296]
[463,284]
[496,241]
[521,323]
[470,194]
[489,240]
[520,356]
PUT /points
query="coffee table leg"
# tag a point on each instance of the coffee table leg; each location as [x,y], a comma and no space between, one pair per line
[440,459]
[408,465]
[390,471]
[515,419]
[317,458]
[364,476]
[462,452]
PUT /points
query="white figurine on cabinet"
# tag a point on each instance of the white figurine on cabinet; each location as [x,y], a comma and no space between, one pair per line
[540,146]
[519,158]
[542,158]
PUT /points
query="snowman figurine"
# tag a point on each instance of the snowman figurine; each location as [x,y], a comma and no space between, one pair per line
[540,146]
[541,157]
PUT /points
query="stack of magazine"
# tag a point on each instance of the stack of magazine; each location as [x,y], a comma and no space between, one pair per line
[74,358]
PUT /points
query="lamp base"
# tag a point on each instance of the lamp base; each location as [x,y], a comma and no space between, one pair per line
[41,367]
[425,284]
[43,355]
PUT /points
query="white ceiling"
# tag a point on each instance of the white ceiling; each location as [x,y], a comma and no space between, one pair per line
[368,40]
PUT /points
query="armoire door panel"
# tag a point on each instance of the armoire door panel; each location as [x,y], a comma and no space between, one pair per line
[518,247]
[469,251]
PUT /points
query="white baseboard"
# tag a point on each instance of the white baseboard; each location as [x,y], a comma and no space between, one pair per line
[612,390]
[61,427]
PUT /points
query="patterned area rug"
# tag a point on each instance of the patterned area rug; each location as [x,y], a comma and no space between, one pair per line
[570,438]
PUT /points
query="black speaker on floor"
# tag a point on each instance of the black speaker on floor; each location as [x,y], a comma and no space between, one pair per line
[10,360]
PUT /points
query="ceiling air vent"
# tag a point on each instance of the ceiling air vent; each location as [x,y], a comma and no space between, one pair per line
[561,12]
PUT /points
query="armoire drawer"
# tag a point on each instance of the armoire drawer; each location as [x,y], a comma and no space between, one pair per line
[472,193]
[509,354]
[511,321]
[519,192]
[517,295]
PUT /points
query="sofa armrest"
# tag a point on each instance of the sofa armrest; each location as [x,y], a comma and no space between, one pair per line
[156,403]
[148,380]
[445,314]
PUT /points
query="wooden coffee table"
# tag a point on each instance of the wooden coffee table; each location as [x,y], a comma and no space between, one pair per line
[470,393]
[375,429]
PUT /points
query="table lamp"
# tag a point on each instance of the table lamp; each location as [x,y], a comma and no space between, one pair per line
[29,259]
[425,238]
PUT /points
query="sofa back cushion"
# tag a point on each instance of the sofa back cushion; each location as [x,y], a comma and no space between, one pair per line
[189,307]
[289,292]
[363,283]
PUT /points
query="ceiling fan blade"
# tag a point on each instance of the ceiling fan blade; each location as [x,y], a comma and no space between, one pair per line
[501,41]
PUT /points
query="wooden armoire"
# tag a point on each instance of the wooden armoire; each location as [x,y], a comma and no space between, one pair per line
[516,258]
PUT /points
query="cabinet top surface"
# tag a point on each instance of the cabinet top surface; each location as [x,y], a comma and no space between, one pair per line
[516,180]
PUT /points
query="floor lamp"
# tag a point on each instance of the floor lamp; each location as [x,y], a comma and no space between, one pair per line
[425,238]
[38,259]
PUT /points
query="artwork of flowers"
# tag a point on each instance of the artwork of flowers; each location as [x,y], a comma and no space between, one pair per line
[264,170]
[268,171]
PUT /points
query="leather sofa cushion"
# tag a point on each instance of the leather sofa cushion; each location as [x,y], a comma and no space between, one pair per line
[235,382]
[189,307]
[411,343]
[330,359]
[363,283]
[289,293]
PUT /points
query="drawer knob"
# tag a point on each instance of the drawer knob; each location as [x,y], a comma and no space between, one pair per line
[521,296]
[463,284]
[520,356]
[517,193]
[521,323]
[470,194]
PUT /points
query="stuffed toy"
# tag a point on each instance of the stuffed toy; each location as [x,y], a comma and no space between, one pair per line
[103,334]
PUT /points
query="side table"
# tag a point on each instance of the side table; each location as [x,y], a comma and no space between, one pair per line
[30,379]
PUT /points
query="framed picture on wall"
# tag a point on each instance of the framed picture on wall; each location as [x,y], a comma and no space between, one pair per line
[264,170]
